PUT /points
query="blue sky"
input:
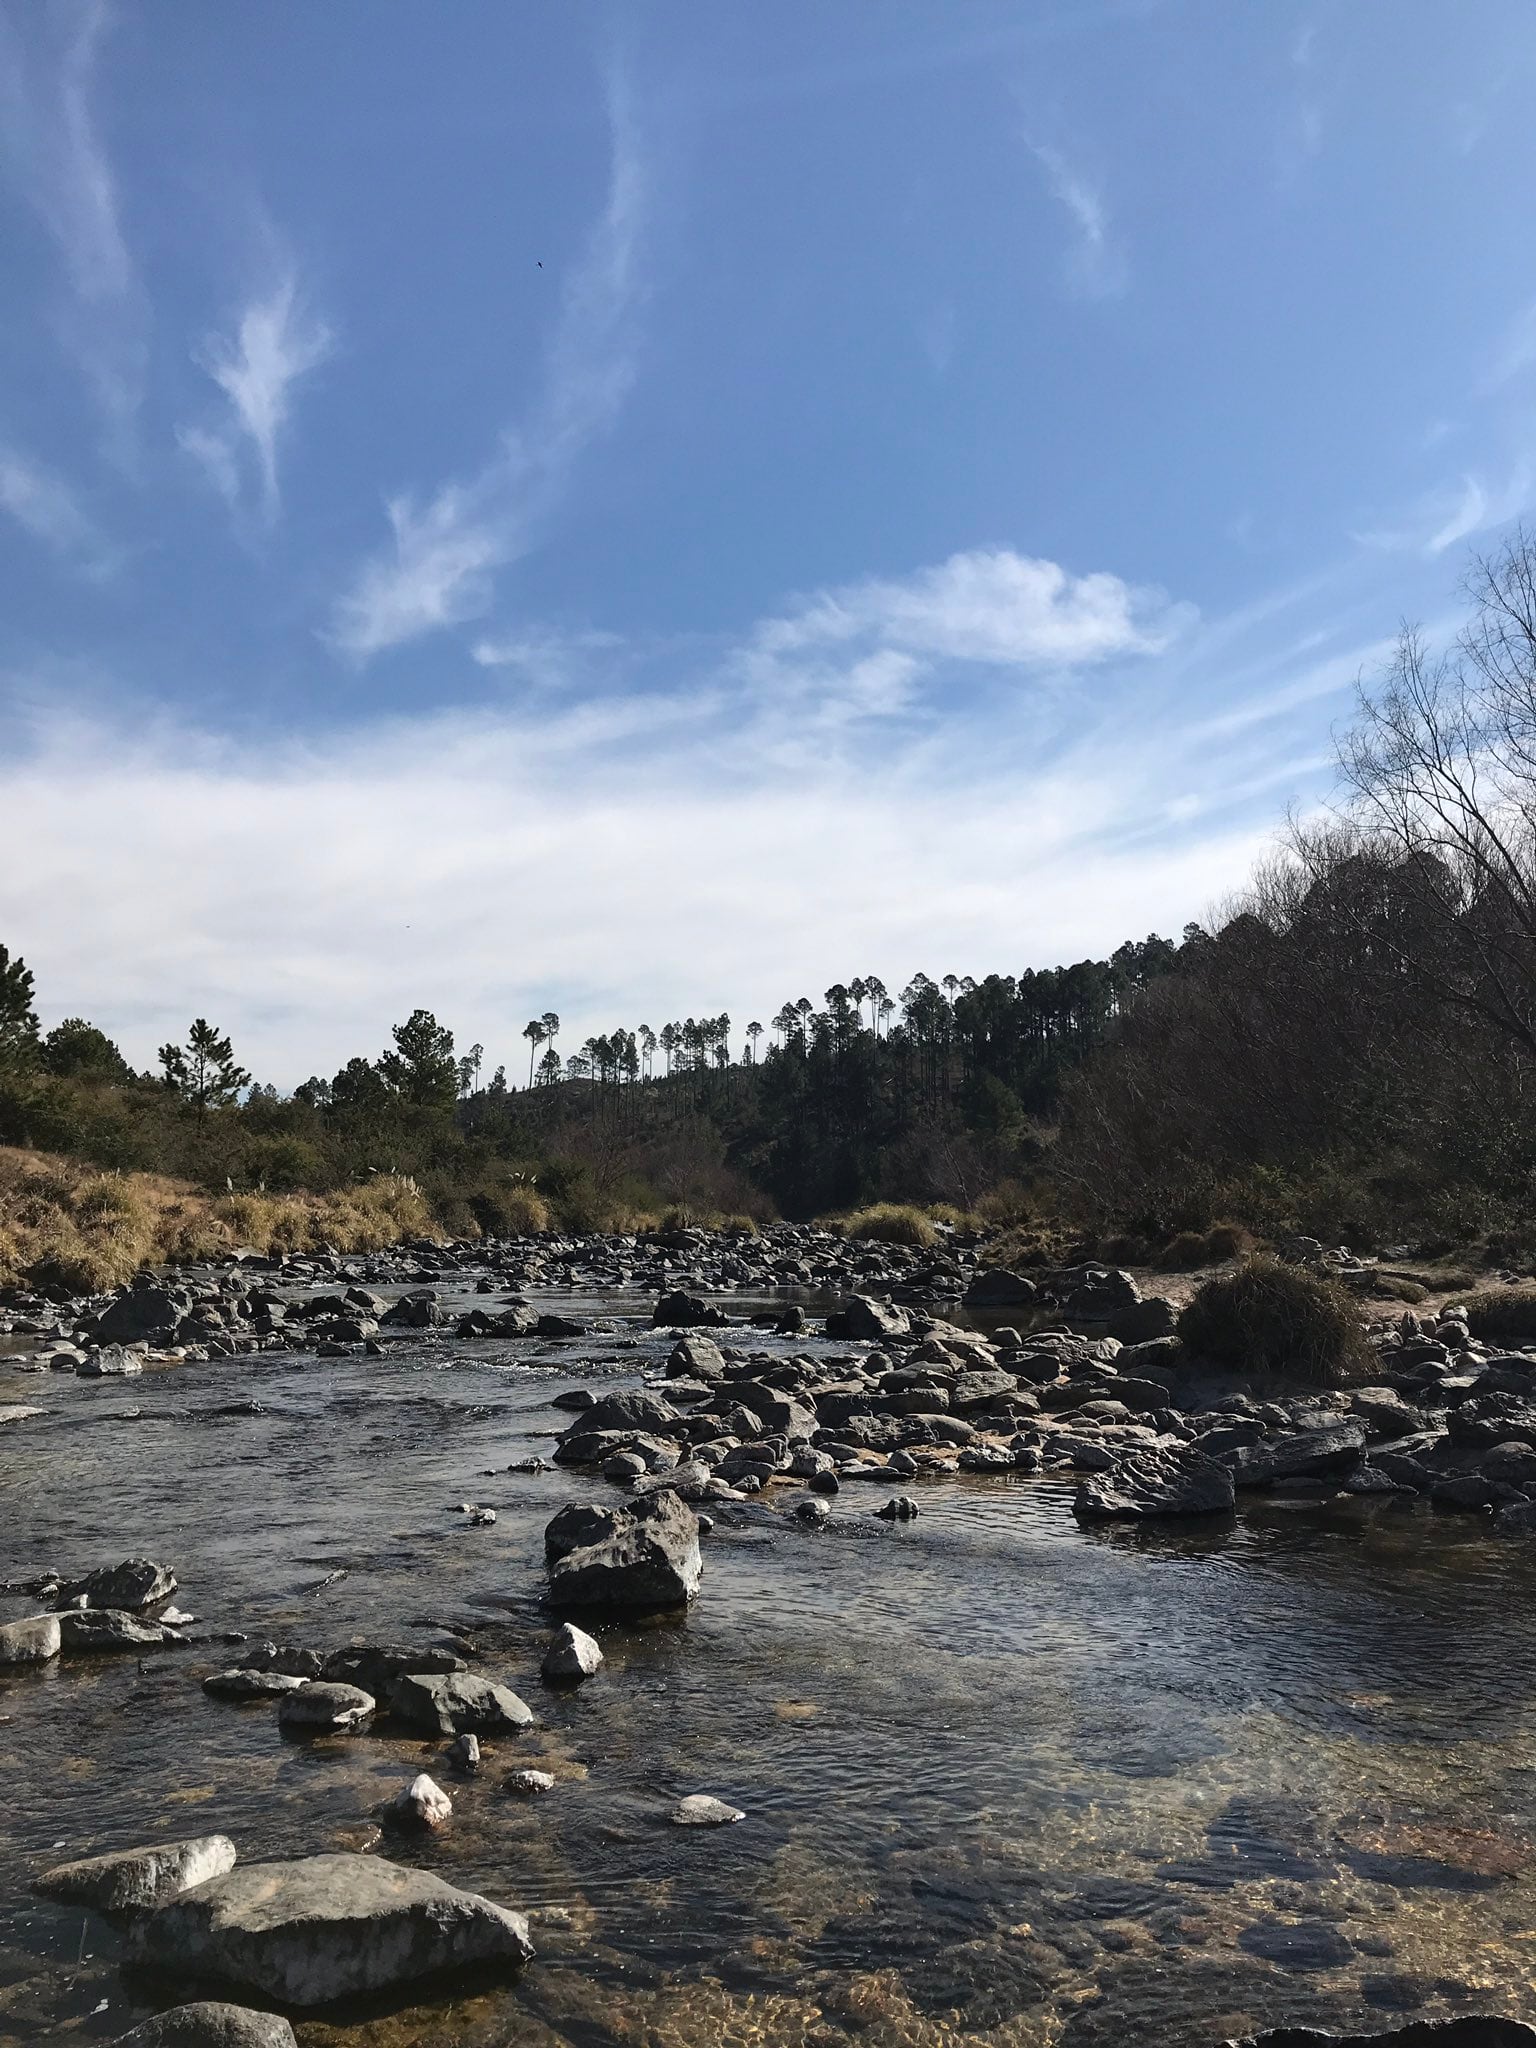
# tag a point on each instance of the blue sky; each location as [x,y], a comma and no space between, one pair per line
[645,511]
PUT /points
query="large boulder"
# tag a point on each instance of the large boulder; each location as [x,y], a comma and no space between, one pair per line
[696,1358]
[104,1631]
[327,1927]
[1143,1322]
[634,1409]
[131,1587]
[995,1288]
[1328,1453]
[687,1312]
[376,1666]
[143,1314]
[1159,1480]
[458,1703]
[34,1640]
[127,1880]
[644,1560]
[868,1318]
[210,2024]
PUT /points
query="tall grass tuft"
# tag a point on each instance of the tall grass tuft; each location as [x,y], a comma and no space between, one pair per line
[1267,1317]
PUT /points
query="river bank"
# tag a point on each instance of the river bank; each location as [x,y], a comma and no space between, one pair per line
[1005,1773]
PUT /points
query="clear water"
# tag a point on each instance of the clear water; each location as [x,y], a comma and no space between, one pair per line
[1005,1779]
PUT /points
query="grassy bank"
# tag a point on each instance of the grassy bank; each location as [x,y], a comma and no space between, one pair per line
[67,1225]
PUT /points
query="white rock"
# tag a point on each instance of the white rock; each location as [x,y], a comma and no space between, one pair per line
[129,1878]
[530,1783]
[423,1803]
[572,1655]
[699,1810]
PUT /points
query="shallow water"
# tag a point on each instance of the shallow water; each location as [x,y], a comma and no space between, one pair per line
[1004,1778]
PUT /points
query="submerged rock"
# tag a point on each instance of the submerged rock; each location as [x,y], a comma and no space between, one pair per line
[1467,2031]
[635,1560]
[210,2024]
[128,1879]
[327,1927]
[1159,1480]
[699,1810]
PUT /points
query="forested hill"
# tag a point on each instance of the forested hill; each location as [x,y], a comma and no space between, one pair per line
[939,1093]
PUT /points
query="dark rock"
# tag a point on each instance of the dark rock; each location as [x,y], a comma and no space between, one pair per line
[1176,1480]
[645,1561]
[1309,1454]
[995,1288]
[210,2024]
[456,1703]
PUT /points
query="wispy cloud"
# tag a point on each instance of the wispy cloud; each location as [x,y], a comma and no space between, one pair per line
[439,567]
[1475,504]
[56,158]
[1515,352]
[44,505]
[275,343]
[1096,266]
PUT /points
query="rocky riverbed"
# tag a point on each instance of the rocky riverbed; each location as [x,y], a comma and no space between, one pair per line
[1009,1674]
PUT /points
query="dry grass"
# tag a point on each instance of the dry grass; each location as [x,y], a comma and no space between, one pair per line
[1192,1249]
[1502,1315]
[1267,1317]
[891,1223]
[64,1225]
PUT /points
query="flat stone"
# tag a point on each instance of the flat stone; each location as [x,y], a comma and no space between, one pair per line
[321,1707]
[128,1879]
[322,1928]
[455,1701]
[104,1631]
[1467,2031]
[210,2024]
[34,1640]
[699,1810]
[133,1585]
[252,1685]
[15,1411]
[376,1666]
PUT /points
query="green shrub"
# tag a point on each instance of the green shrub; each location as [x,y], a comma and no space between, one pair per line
[891,1223]
[1267,1317]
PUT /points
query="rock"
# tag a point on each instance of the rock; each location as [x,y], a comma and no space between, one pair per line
[572,1655]
[899,1508]
[132,1586]
[327,1927]
[242,1684]
[864,1317]
[101,1631]
[454,1702]
[686,1311]
[422,1804]
[35,1640]
[995,1288]
[647,1559]
[698,1810]
[1308,1454]
[464,1754]
[294,1662]
[128,1879]
[376,1666]
[1173,1480]
[323,1708]
[415,1312]
[1467,2031]
[1143,1322]
[210,2024]
[143,1313]
[530,1784]
[697,1358]
[112,1362]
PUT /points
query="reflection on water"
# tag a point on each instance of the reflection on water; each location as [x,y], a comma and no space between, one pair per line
[1003,1778]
